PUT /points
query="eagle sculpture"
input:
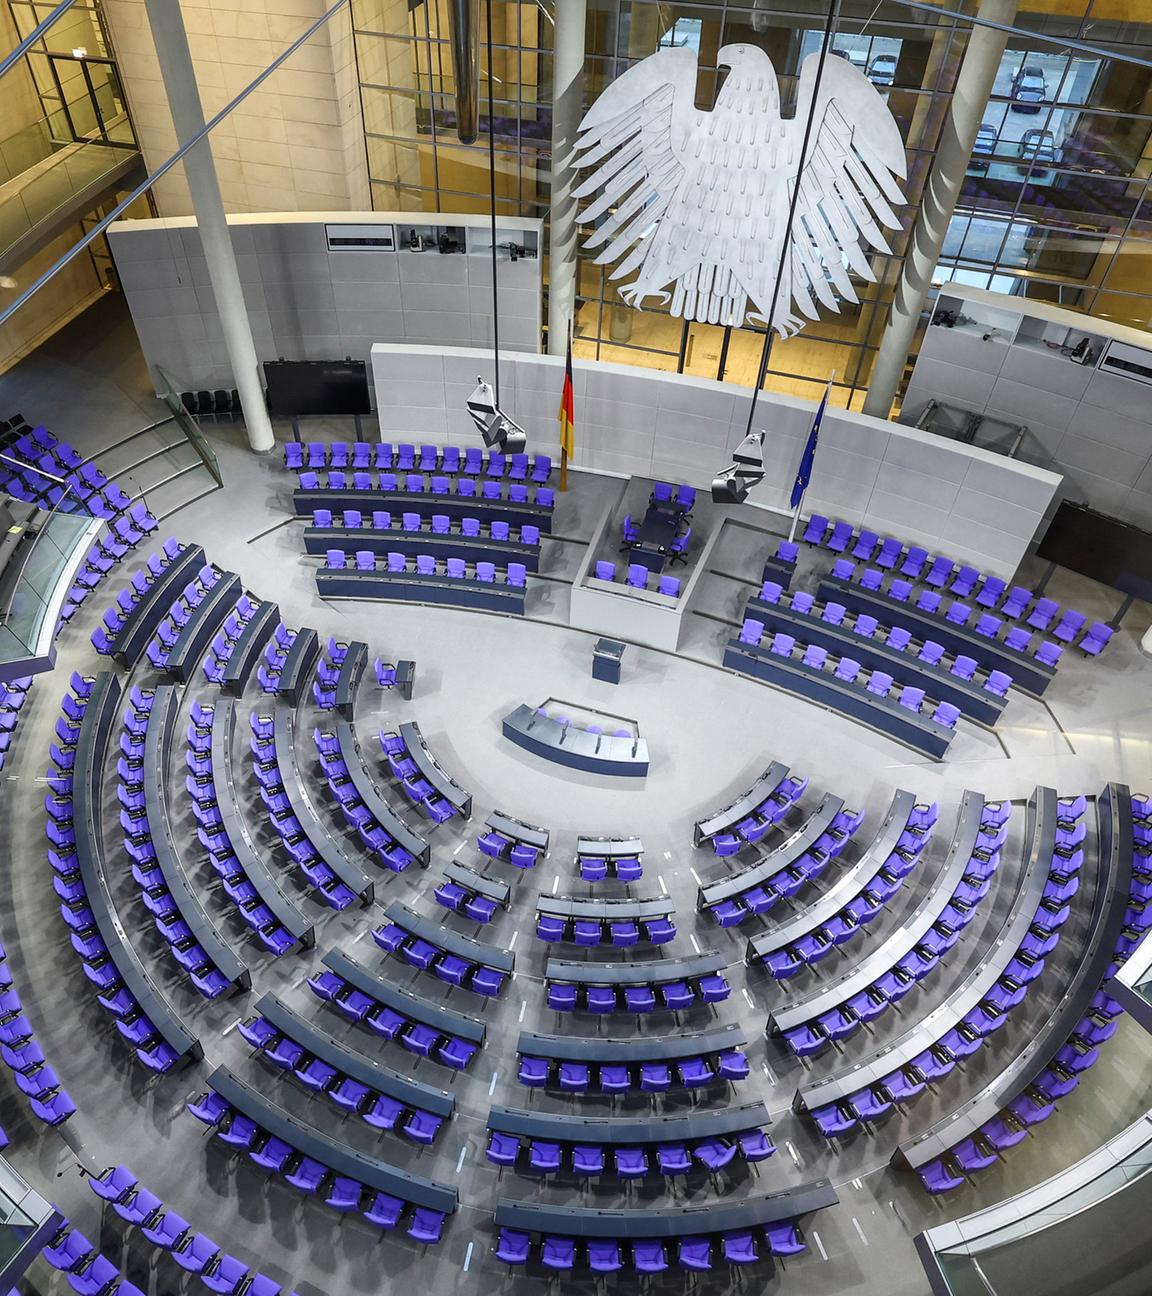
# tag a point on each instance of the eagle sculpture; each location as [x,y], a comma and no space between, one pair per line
[695,204]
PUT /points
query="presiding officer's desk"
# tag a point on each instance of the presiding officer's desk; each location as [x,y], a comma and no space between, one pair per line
[575,747]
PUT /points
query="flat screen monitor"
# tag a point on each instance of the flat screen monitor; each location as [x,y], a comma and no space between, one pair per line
[317,387]
[1104,548]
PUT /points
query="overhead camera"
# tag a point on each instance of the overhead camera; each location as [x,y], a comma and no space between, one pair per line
[731,486]
[495,427]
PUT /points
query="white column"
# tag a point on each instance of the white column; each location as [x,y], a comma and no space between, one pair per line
[176,68]
[567,102]
[974,84]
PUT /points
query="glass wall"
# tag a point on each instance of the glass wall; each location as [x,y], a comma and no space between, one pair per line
[1055,204]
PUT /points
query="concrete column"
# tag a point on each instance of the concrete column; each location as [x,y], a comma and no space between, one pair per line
[176,68]
[974,83]
[567,101]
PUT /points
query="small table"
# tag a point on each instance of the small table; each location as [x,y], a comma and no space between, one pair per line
[405,678]
[606,658]
[657,531]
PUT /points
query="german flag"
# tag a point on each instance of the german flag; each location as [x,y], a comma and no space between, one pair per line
[567,414]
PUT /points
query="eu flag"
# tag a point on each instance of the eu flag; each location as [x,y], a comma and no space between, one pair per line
[804,472]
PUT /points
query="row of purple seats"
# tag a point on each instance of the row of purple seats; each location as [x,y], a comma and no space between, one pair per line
[595,868]
[89,1272]
[412,783]
[284,822]
[470,528]
[879,683]
[564,996]
[405,457]
[30,466]
[792,875]
[814,945]
[620,932]
[893,984]
[179,614]
[427,565]
[386,1023]
[103,637]
[130,1020]
[154,892]
[24,1057]
[378,841]
[650,1255]
[497,846]
[637,578]
[757,825]
[213,836]
[728,1065]
[414,483]
[1078,1054]
[941,1056]
[13,694]
[114,546]
[463,900]
[546,1156]
[327,678]
[453,970]
[275,654]
[310,1176]
[379,1110]
[868,627]
[192,1251]
[226,638]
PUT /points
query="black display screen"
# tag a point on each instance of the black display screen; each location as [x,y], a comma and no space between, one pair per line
[1093,544]
[317,387]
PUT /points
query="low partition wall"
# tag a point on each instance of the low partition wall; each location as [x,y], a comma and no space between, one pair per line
[979,507]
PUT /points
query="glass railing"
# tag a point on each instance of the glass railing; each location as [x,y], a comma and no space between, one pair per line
[188,425]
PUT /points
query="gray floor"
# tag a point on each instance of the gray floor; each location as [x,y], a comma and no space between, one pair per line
[709,734]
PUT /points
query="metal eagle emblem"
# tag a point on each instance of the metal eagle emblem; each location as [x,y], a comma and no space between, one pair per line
[695,204]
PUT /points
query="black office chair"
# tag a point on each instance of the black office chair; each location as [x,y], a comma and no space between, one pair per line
[205,403]
[223,401]
[190,403]
[235,402]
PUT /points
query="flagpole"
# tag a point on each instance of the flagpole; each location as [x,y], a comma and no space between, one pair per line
[800,501]
[563,445]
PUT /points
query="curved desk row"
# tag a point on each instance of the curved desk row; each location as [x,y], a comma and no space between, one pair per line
[884,714]
[410,587]
[306,502]
[368,792]
[479,883]
[473,549]
[349,675]
[1109,904]
[1040,838]
[604,910]
[444,938]
[101,718]
[296,672]
[573,747]
[251,861]
[636,1048]
[319,1043]
[849,885]
[325,845]
[207,617]
[610,848]
[344,1160]
[613,1130]
[1027,673]
[162,720]
[722,821]
[518,830]
[142,622]
[902,941]
[431,769]
[767,866]
[974,701]
[248,649]
[652,972]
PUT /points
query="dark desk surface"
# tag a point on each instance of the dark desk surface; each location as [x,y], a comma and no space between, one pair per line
[295,674]
[575,747]
[352,1063]
[635,1048]
[600,910]
[468,878]
[774,860]
[371,1172]
[326,846]
[903,940]
[207,617]
[445,938]
[657,530]
[846,887]
[722,820]
[1109,904]
[349,676]
[101,718]
[306,503]
[665,1221]
[318,540]
[144,619]
[247,651]
[411,587]
[651,972]
[629,1129]
[529,834]
[1027,673]
[162,722]
[431,769]
[1040,839]
[441,1018]
[369,793]
[249,858]
[610,847]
